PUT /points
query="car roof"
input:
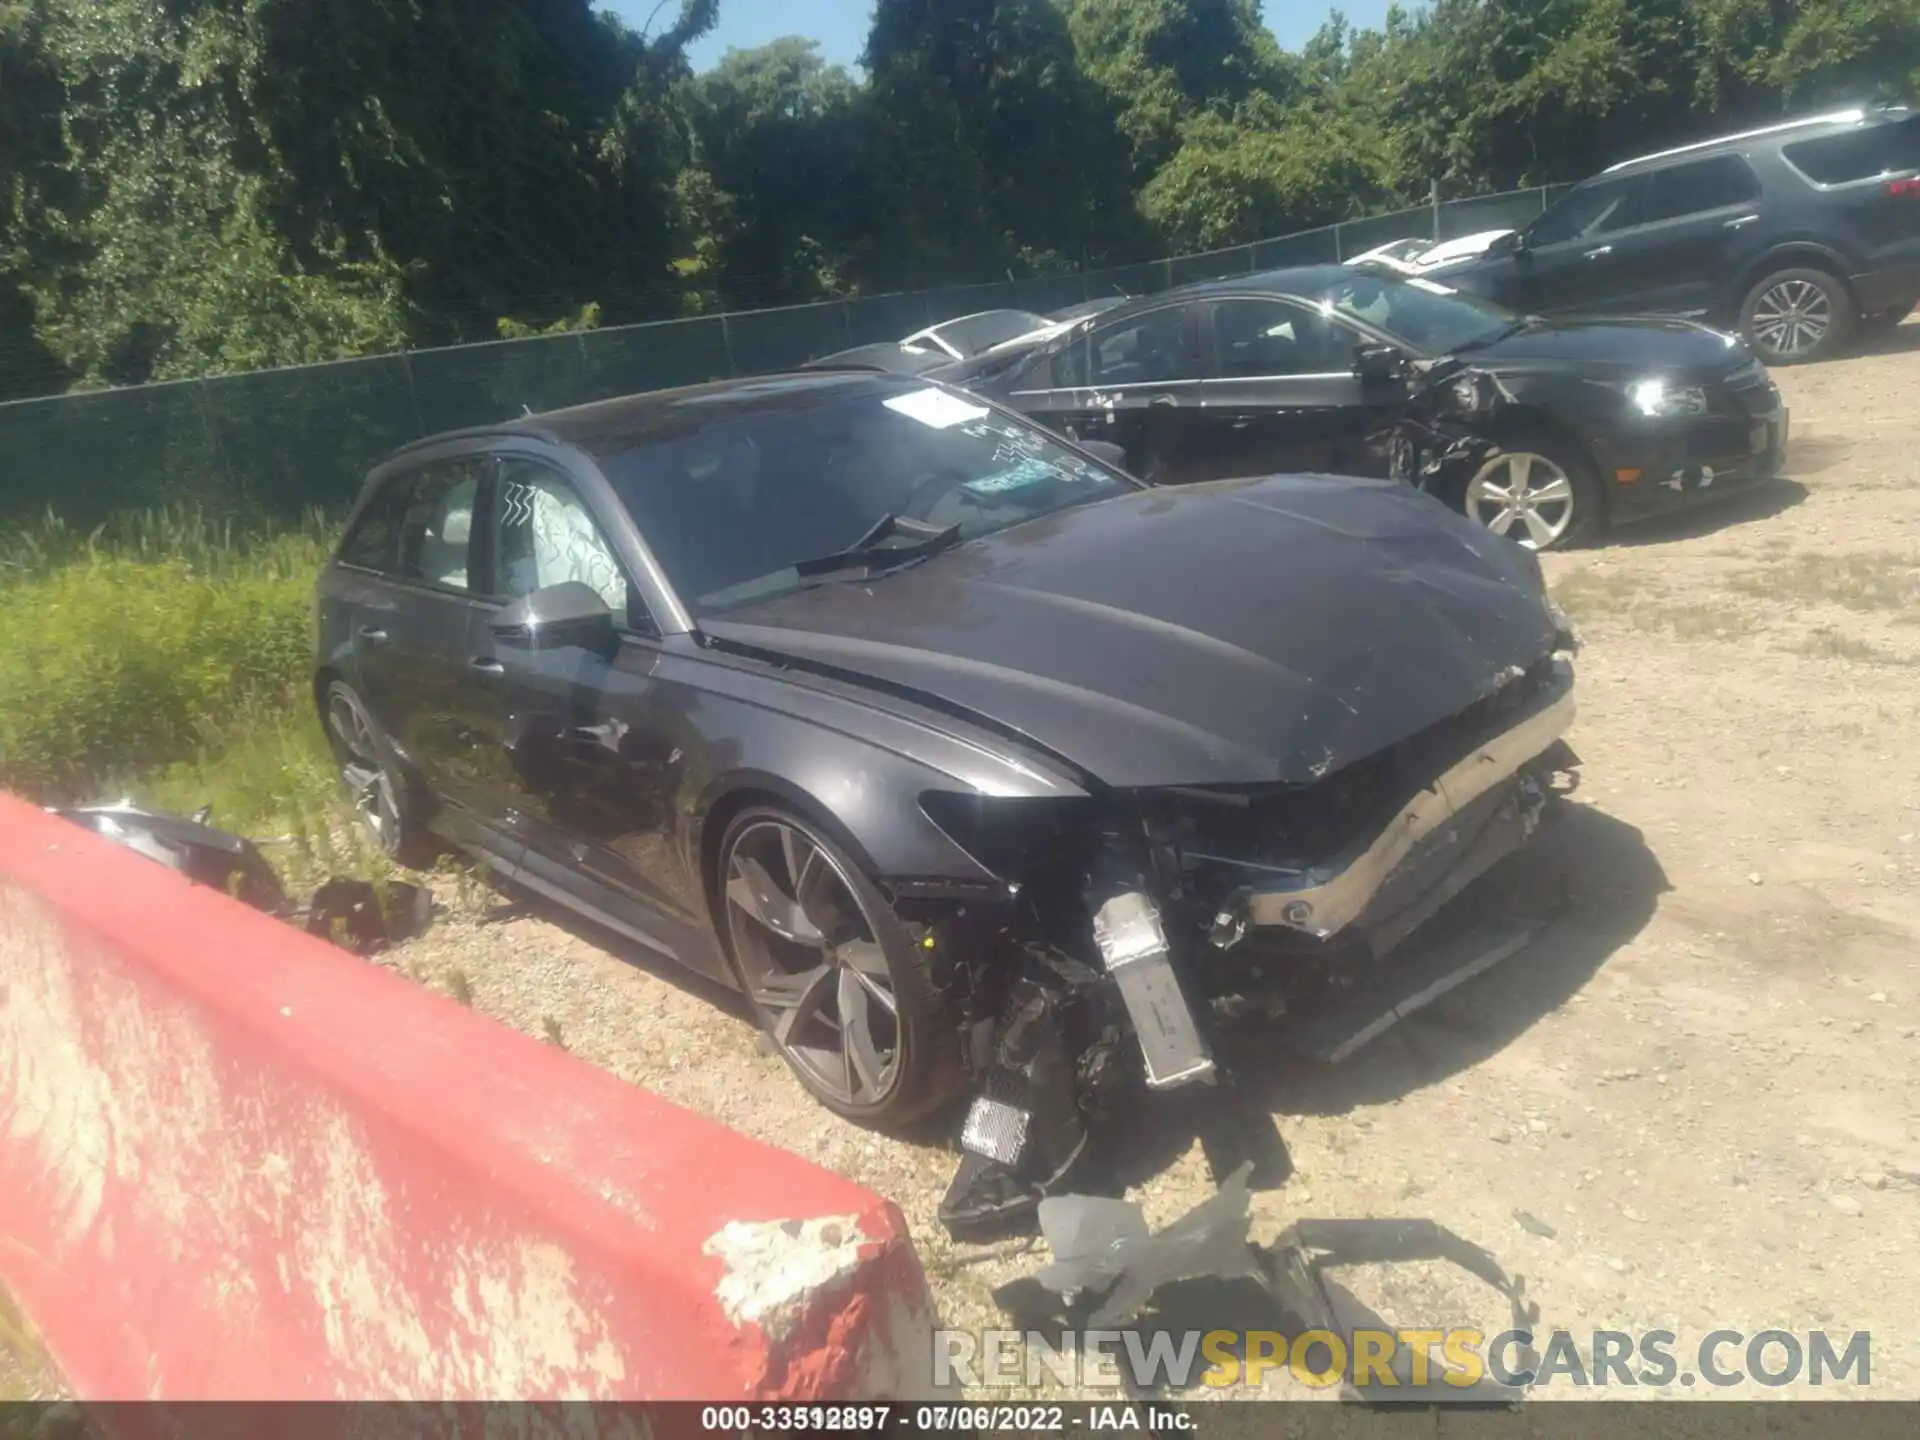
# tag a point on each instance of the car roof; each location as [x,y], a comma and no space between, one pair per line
[1784,130]
[659,414]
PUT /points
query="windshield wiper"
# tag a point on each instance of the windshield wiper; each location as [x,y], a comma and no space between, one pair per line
[869,552]
[1493,337]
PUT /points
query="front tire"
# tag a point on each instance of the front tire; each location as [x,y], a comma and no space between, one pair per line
[846,993]
[1538,491]
[1795,316]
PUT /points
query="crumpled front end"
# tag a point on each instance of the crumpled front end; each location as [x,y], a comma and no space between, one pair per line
[1145,920]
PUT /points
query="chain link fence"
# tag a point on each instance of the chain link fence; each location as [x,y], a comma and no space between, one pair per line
[275,443]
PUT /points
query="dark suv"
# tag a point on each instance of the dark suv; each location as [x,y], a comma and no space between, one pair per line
[1800,234]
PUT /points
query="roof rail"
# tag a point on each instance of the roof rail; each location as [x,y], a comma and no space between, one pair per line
[1833,117]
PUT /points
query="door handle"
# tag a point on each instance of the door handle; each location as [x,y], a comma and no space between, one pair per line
[1742,222]
[1167,400]
[373,634]
[1241,424]
[486,666]
[1597,252]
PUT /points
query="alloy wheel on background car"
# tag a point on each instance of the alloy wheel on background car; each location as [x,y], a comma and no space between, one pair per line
[363,770]
[1525,497]
[1792,318]
[811,959]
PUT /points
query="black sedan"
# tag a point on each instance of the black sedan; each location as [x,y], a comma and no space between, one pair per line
[975,763]
[1541,430]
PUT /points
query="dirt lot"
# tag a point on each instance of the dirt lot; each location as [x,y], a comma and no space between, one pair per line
[1702,1079]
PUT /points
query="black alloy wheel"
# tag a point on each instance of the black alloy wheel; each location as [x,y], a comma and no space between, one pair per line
[839,985]
[372,779]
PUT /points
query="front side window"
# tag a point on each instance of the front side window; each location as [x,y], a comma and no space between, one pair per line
[1589,211]
[1272,337]
[1144,349]
[731,506]
[436,530]
[1697,187]
[548,536]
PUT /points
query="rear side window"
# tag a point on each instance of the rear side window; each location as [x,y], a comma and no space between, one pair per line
[436,528]
[1597,209]
[374,541]
[1697,187]
[1863,154]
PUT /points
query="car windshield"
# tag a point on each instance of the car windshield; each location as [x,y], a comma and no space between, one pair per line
[733,502]
[1420,315]
[973,333]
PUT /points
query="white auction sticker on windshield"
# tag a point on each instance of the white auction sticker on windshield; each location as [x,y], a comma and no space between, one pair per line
[1432,287]
[935,408]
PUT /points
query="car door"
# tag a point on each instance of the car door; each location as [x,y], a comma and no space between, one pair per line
[410,643]
[1283,393]
[1569,261]
[591,761]
[1694,224]
[1134,382]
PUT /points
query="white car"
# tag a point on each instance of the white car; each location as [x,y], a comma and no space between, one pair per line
[1415,257]
[971,335]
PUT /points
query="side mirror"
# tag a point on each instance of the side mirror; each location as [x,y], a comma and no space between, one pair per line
[569,613]
[1379,362]
[1106,452]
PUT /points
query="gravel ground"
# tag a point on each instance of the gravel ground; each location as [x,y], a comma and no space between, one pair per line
[1701,1078]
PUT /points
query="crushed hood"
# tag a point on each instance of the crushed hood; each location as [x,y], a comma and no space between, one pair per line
[1240,632]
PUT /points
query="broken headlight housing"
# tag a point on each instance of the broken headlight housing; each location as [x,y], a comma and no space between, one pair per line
[1658,398]
[1471,392]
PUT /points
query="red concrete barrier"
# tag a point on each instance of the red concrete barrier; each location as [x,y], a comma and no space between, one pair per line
[238,1162]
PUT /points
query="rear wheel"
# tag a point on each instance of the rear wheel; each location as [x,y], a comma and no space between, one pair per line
[1794,316]
[1538,492]
[835,979]
[373,780]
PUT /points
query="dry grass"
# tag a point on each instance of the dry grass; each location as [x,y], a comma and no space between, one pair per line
[1871,581]
[1826,643]
[1600,596]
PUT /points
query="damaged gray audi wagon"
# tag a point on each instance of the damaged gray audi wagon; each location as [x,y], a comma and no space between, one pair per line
[980,767]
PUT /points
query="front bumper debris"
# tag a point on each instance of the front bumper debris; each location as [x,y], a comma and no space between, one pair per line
[1127,957]
[1107,1268]
[1327,899]
[1137,954]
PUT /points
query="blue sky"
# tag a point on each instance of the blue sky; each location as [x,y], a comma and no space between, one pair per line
[841,25]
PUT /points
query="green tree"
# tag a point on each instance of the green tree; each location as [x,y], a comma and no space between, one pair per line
[30,150]
[778,183]
[1160,63]
[990,148]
